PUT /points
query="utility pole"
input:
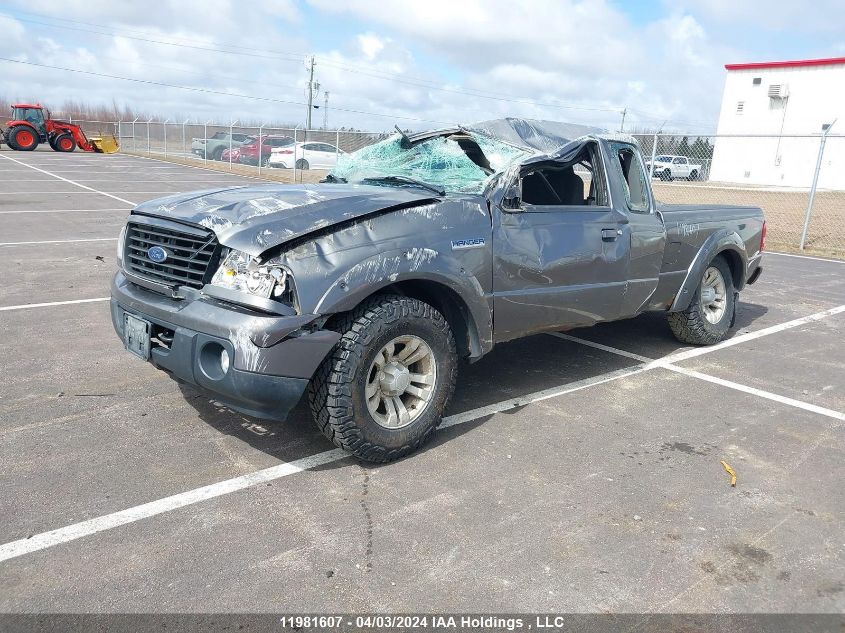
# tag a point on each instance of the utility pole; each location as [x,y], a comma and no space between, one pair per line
[622,127]
[310,94]
[326,110]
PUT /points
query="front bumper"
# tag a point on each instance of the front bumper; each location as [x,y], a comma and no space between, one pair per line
[273,358]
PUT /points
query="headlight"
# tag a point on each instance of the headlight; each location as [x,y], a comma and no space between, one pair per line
[240,272]
[121,239]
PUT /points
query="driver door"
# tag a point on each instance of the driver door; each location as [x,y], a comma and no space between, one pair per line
[560,249]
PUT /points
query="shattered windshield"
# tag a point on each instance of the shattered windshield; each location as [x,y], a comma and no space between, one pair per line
[457,163]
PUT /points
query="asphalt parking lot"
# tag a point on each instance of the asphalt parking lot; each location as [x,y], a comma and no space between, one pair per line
[573,473]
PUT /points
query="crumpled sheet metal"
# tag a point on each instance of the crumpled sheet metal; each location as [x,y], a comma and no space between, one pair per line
[437,159]
[535,136]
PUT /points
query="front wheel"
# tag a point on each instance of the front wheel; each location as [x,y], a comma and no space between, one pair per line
[381,392]
[709,315]
[64,143]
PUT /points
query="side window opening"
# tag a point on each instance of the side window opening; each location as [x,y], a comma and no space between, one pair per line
[633,179]
[578,182]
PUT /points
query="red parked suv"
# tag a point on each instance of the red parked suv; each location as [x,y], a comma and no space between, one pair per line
[248,152]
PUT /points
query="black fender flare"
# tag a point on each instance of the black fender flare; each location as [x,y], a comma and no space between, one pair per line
[391,268]
[724,241]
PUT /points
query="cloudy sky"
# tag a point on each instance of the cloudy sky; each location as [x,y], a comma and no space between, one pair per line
[412,63]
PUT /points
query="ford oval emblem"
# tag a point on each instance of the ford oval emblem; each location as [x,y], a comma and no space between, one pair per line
[157,254]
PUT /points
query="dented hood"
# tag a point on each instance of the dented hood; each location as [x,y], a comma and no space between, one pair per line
[254,219]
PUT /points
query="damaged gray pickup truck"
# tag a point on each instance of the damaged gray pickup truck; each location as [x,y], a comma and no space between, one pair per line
[415,252]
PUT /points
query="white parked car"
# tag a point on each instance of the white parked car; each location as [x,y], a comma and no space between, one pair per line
[308,155]
[668,167]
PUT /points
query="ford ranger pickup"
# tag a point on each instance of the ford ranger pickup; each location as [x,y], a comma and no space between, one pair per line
[363,293]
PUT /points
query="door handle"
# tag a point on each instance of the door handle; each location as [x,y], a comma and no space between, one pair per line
[610,235]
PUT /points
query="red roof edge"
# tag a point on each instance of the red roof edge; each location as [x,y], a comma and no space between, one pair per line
[830,61]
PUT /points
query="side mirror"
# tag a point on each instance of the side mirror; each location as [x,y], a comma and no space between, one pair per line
[513,197]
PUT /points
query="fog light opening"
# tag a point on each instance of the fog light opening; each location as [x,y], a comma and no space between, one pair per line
[214,361]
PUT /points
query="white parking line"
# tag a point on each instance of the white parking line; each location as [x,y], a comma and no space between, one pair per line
[75,531]
[665,363]
[50,304]
[537,396]
[59,211]
[204,168]
[153,508]
[604,348]
[190,497]
[798,404]
[43,171]
[818,259]
[750,336]
[90,239]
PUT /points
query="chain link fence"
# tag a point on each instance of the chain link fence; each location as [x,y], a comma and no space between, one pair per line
[798,180]
[288,154]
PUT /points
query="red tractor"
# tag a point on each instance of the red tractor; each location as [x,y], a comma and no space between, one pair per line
[29,127]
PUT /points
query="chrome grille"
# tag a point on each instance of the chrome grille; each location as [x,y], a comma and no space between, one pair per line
[189,254]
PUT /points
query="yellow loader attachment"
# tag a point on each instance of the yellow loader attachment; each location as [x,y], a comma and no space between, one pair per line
[105,144]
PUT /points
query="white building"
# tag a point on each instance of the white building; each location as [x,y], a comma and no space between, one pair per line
[779,99]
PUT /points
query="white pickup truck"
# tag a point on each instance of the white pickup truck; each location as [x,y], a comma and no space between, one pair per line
[670,167]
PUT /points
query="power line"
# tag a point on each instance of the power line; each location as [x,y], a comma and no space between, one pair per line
[298,57]
[177,41]
[209,49]
[394,77]
[471,92]
[215,92]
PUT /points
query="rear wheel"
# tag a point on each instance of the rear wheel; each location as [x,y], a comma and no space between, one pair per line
[64,143]
[666,175]
[22,138]
[711,312]
[381,392]
[693,175]
[217,154]
[302,164]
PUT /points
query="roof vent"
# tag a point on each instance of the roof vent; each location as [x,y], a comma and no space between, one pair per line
[778,91]
[756,81]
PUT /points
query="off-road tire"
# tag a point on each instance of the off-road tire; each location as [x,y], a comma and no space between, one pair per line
[336,393]
[62,139]
[12,138]
[691,326]
[302,164]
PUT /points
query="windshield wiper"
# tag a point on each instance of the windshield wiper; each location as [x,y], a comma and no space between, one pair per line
[333,178]
[407,180]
